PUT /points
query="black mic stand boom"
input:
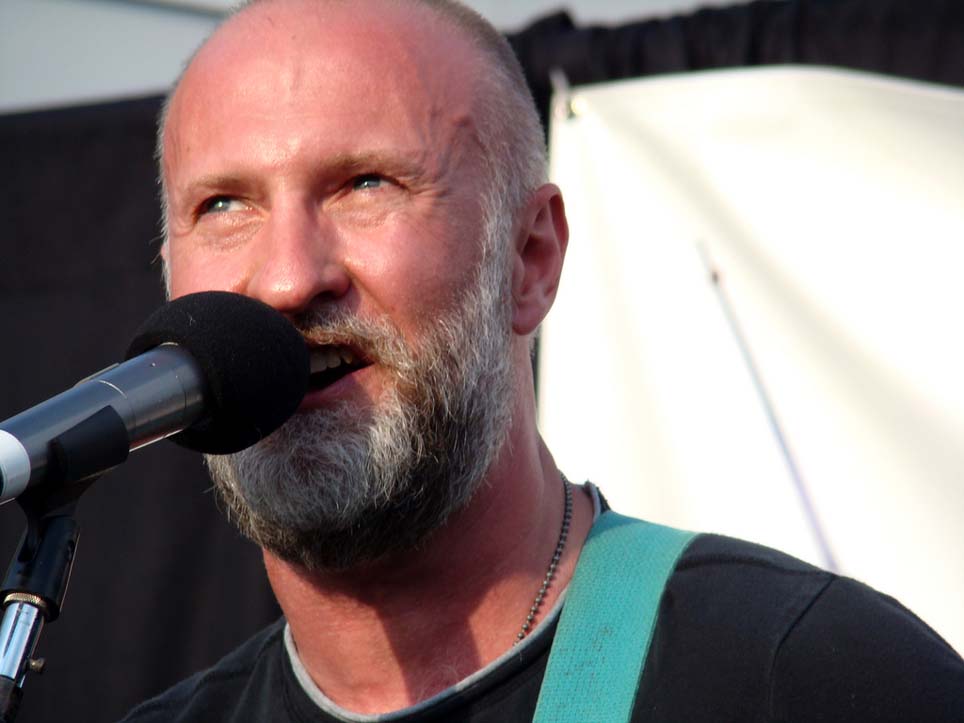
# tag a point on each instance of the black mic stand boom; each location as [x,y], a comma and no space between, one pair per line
[36,582]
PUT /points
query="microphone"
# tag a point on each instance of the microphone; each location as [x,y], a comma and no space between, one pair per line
[218,370]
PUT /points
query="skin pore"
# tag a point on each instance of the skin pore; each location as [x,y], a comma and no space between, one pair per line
[318,154]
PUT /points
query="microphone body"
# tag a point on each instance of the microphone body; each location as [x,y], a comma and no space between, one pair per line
[156,394]
[219,370]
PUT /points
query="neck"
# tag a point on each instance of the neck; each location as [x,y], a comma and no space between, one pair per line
[398,631]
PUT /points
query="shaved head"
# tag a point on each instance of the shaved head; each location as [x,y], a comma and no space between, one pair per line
[509,129]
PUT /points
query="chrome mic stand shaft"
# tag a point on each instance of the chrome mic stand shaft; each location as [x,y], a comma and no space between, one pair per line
[35,585]
[22,622]
[34,588]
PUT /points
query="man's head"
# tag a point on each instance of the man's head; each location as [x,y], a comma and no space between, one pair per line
[372,169]
[506,120]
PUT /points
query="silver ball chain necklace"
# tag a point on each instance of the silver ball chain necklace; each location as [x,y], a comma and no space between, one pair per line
[551,572]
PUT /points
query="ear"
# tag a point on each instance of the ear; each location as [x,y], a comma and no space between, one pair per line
[540,247]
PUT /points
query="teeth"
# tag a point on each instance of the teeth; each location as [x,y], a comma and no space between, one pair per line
[330,357]
[318,363]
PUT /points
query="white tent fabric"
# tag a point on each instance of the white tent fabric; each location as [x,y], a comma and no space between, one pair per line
[829,207]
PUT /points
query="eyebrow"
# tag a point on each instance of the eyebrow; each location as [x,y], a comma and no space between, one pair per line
[404,164]
[212,183]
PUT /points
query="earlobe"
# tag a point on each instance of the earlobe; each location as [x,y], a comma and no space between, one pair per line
[539,251]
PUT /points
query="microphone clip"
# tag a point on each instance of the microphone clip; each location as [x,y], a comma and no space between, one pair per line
[35,585]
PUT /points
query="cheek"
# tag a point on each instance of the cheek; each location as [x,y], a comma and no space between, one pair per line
[414,254]
[189,272]
[414,276]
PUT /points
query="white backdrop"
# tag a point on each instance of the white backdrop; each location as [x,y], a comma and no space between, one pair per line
[830,206]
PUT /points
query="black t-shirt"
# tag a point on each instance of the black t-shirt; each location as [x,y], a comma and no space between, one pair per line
[744,633]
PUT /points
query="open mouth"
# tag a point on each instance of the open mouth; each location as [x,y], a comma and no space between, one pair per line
[330,363]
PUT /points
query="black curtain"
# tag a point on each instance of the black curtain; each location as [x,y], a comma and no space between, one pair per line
[919,39]
[162,585]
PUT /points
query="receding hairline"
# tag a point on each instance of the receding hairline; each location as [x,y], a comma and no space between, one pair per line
[510,130]
[481,35]
[477,29]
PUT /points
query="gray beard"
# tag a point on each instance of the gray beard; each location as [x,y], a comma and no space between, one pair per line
[339,487]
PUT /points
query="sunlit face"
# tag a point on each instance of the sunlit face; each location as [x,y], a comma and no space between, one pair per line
[313,158]
[342,186]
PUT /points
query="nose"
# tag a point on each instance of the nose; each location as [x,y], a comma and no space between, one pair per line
[300,262]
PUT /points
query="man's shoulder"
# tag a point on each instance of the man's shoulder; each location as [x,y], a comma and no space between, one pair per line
[724,566]
[757,584]
[727,595]
[741,581]
[759,635]
[750,584]
[227,685]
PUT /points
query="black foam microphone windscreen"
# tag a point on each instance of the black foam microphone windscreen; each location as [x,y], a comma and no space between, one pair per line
[255,364]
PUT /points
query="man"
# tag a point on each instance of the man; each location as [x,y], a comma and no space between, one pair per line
[375,171]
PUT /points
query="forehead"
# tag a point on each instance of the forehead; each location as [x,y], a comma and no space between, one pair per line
[352,65]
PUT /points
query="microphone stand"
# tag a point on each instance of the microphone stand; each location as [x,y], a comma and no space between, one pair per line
[36,582]
[34,589]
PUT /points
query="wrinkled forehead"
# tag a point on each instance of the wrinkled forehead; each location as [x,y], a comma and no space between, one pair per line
[388,56]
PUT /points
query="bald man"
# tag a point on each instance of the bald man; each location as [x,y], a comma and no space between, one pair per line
[375,170]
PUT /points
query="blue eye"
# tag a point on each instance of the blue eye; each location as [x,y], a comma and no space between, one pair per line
[219,204]
[368,180]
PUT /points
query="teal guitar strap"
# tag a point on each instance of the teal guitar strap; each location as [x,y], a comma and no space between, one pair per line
[604,632]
